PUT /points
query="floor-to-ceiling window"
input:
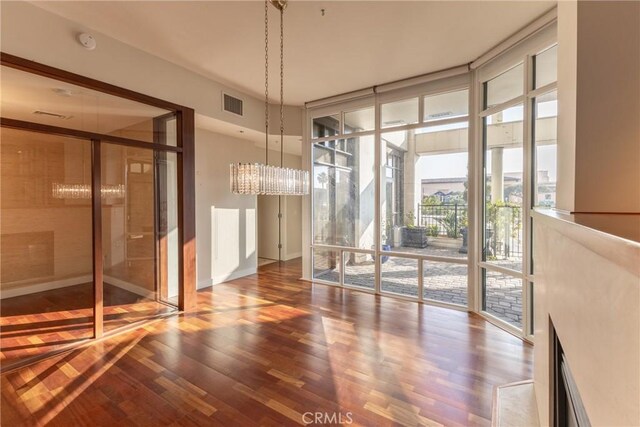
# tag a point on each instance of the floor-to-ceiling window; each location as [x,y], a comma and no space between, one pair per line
[423,195]
[398,211]
[544,100]
[389,202]
[518,166]
[343,175]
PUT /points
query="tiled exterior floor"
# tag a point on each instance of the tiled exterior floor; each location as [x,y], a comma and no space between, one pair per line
[444,282]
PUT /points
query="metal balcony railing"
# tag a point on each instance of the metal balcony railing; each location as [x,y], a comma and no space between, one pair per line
[503,235]
[445,220]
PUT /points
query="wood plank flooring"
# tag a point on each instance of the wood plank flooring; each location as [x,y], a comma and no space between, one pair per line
[271,350]
[43,322]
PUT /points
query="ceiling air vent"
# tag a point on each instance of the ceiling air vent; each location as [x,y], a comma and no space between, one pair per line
[55,115]
[232,105]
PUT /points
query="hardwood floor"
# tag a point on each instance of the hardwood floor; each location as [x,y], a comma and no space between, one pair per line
[43,322]
[269,349]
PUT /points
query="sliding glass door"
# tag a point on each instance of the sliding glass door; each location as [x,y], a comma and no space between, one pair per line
[46,277]
[134,270]
[47,229]
[93,232]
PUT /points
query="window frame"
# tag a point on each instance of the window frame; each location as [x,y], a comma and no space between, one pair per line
[524,53]
[436,87]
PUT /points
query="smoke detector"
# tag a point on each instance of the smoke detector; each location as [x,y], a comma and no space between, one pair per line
[87,41]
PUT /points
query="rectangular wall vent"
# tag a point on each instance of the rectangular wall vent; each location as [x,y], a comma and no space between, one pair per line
[232,105]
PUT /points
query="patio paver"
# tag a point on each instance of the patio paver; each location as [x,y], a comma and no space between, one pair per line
[443,282]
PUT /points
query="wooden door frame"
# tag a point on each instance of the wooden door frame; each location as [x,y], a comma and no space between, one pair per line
[185,152]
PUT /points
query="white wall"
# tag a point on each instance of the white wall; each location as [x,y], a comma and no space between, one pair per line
[226,223]
[599,106]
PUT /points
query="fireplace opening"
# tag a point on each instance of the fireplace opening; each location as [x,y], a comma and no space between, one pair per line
[568,409]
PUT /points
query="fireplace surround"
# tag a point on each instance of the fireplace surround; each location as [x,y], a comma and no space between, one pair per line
[568,409]
[587,292]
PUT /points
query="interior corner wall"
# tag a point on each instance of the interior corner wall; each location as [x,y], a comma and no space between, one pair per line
[599,106]
[267,213]
[292,218]
[226,223]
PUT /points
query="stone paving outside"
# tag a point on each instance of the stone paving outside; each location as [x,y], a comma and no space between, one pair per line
[444,282]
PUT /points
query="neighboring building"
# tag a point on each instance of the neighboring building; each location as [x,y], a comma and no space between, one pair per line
[443,188]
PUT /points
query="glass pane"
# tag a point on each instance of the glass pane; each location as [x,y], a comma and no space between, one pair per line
[326,126]
[546,149]
[46,248]
[33,98]
[343,193]
[503,188]
[506,86]
[168,231]
[531,308]
[400,113]
[546,66]
[326,265]
[445,282]
[423,197]
[359,120]
[446,105]
[359,270]
[128,236]
[503,296]
[399,276]
[322,154]
[166,130]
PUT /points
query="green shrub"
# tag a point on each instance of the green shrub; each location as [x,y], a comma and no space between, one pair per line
[433,230]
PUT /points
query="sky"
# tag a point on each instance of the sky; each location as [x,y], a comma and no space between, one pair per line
[454,165]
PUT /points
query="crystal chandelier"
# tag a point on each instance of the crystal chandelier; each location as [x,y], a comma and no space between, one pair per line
[83,191]
[256,178]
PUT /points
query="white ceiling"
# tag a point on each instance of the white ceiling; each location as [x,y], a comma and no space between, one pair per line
[356,44]
[292,143]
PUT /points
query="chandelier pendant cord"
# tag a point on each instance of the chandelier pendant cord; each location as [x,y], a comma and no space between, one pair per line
[257,178]
[282,87]
[266,80]
[281,128]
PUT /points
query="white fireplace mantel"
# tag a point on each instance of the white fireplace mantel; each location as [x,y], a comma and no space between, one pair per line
[587,281]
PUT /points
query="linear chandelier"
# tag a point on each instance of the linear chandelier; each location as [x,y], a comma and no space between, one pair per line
[83,191]
[257,178]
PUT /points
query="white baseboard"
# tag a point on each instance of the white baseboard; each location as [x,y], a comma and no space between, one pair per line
[127,286]
[72,281]
[226,277]
[45,286]
[294,255]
